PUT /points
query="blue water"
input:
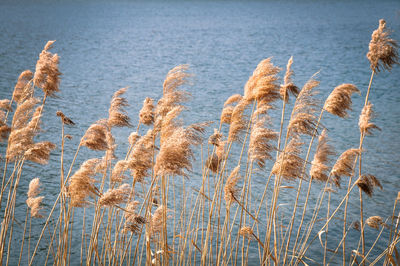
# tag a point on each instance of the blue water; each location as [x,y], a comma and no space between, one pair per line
[106,46]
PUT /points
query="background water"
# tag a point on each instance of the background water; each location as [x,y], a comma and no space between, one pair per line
[106,46]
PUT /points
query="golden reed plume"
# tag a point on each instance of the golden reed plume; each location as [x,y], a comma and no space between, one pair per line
[289,163]
[339,101]
[319,169]
[230,189]
[146,114]
[367,183]
[115,196]
[382,49]
[344,165]
[365,124]
[34,202]
[21,90]
[288,85]
[117,116]
[47,75]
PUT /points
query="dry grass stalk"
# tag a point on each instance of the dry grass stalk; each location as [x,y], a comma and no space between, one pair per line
[117,116]
[115,196]
[238,122]
[339,101]
[262,85]
[21,90]
[364,122]
[230,189]
[146,114]
[288,85]
[290,160]
[375,222]
[47,75]
[259,145]
[319,169]
[382,49]
[344,165]
[303,120]
[64,119]
[140,160]
[81,184]
[34,202]
[367,183]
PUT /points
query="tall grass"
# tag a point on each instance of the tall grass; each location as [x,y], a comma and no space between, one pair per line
[139,210]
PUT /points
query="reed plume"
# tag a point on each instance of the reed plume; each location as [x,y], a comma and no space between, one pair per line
[119,170]
[156,222]
[133,221]
[146,114]
[324,150]
[172,96]
[140,160]
[115,196]
[95,137]
[40,152]
[213,162]
[288,85]
[34,202]
[23,113]
[366,127]
[64,119]
[175,156]
[47,75]
[230,189]
[235,98]
[262,85]
[5,104]
[133,137]
[367,183]
[215,138]
[289,163]
[339,101]
[220,151]
[81,184]
[4,128]
[21,90]
[344,165]
[226,114]
[238,122]
[259,145]
[303,120]
[375,222]
[382,49]
[117,116]
[34,188]
[35,205]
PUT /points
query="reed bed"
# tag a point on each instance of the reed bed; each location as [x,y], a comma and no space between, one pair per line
[140,210]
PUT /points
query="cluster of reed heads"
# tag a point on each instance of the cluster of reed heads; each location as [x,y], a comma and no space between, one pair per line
[137,210]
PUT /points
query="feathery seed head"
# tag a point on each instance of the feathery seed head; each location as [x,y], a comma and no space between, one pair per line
[319,168]
[375,222]
[382,49]
[146,115]
[21,90]
[230,189]
[339,101]
[115,196]
[344,165]
[364,123]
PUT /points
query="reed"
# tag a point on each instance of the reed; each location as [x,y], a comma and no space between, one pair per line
[141,210]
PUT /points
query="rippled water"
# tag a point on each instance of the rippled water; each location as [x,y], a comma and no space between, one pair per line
[107,46]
